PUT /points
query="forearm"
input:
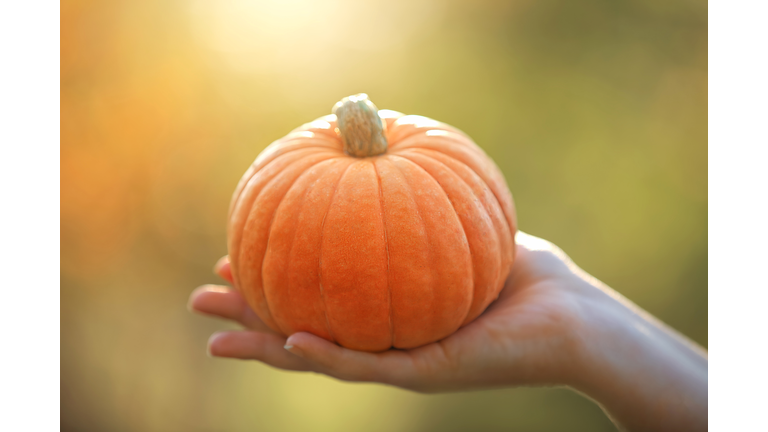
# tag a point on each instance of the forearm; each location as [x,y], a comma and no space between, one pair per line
[644,374]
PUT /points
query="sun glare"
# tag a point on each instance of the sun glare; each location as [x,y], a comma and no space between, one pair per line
[271,35]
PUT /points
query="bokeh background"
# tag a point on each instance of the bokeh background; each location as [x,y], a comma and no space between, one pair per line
[596,112]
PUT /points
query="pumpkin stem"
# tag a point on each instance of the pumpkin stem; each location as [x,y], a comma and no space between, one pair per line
[360,127]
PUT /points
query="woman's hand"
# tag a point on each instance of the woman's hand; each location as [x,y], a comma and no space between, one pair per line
[526,337]
[552,324]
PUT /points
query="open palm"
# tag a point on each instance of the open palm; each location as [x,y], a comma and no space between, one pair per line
[526,337]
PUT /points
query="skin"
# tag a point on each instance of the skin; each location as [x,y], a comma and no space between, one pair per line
[552,325]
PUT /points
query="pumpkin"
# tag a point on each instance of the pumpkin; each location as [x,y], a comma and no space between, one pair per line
[371,229]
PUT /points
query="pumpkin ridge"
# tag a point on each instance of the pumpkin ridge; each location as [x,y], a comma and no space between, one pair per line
[421,218]
[461,223]
[320,255]
[243,183]
[235,260]
[386,245]
[277,210]
[500,235]
[485,179]
[431,154]
[500,273]
[345,162]
[393,179]
[269,230]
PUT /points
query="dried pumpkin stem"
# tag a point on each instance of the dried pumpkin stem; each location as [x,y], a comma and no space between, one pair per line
[360,127]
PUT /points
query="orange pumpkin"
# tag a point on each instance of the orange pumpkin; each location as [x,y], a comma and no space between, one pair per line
[372,229]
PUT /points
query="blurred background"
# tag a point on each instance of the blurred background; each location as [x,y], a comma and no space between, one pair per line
[596,112]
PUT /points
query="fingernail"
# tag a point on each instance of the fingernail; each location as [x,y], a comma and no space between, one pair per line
[191,301]
[294,350]
[211,340]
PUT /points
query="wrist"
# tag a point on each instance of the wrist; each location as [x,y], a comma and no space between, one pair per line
[646,375]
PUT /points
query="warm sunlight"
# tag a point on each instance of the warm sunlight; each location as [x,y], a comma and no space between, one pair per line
[271,35]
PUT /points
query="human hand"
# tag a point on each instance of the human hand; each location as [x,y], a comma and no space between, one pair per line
[552,324]
[525,337]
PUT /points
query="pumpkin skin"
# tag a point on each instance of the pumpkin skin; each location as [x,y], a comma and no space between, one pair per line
[395,250]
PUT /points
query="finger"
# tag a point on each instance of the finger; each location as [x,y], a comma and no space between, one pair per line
[226,303]
[224,269]
[391,367]
[251,345]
